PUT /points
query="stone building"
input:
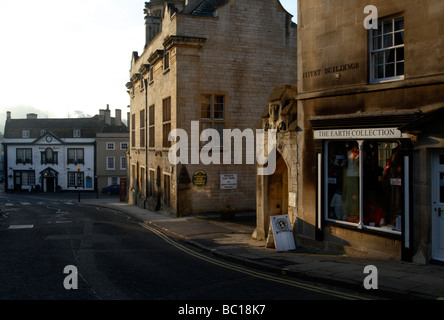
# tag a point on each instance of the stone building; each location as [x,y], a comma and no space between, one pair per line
[370,169]
[211,65]
[112,140]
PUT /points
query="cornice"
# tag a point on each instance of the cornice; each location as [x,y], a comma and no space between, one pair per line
[183,41]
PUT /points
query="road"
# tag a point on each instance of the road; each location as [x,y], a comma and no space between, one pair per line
[118,258]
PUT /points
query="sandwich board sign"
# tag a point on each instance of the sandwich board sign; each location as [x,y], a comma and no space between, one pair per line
[282,233]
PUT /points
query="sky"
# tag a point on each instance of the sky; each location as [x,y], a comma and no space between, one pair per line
[63,58]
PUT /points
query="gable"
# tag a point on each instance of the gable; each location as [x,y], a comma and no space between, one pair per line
[48,139]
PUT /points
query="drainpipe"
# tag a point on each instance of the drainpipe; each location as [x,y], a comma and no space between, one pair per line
[145,82]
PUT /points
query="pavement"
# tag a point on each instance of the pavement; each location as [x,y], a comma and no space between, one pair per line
[231,239]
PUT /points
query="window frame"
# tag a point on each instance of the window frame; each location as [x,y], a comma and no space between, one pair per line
[166,122]
[110,146]
[394,47]
[24,157]
[113,167]
[213,122]
[325,182]
[152,127]
[142,122]
[79,176]
[75,160]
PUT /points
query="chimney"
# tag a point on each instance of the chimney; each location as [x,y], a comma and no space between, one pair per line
[31,116]
[8,115]
[118,121]
[107,115]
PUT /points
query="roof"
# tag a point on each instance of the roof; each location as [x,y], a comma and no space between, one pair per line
[203,8]
[62,128]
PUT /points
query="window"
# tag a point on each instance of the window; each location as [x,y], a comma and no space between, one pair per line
[151,129]
[133,130]
[110,163]
[213,114]
[25,178]
[75,179]
[110,146]
[151,76]
[166,116]
[387,50]
[26,134]
[76,133]
[166,61]
[122,163]
[49,156]
[76,156]
[376,167]
[24,155]
[124,146]
[142,128]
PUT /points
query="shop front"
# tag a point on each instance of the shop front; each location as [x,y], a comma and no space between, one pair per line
[364,187]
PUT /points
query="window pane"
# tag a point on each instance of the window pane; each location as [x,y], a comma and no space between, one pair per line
[379,58]
[219,107]
[399,38]
[390,70]
[388,40]
[206,107]
[388,26]
[400,69]
[390,56]
[377,43]
[379,72]
[399,24]
[383,185]
[400,54]
[343,181]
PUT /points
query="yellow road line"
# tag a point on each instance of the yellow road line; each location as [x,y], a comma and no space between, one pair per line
[252,272]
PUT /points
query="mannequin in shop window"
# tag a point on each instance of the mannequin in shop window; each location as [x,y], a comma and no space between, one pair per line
[351,185]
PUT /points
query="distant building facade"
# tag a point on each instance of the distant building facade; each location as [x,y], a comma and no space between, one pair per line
[53,155]
[370,168]
[211,65]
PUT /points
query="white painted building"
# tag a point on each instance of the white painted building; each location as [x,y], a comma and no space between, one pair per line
[51,155]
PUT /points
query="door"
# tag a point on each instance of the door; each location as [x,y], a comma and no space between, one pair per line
[438,206]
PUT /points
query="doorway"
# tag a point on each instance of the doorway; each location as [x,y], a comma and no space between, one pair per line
[438,206]
[278,189]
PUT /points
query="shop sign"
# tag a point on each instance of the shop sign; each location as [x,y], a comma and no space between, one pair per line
[200,179]
[228,181]
[372,133]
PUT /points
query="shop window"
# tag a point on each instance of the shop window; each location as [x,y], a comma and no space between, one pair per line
[365,184]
